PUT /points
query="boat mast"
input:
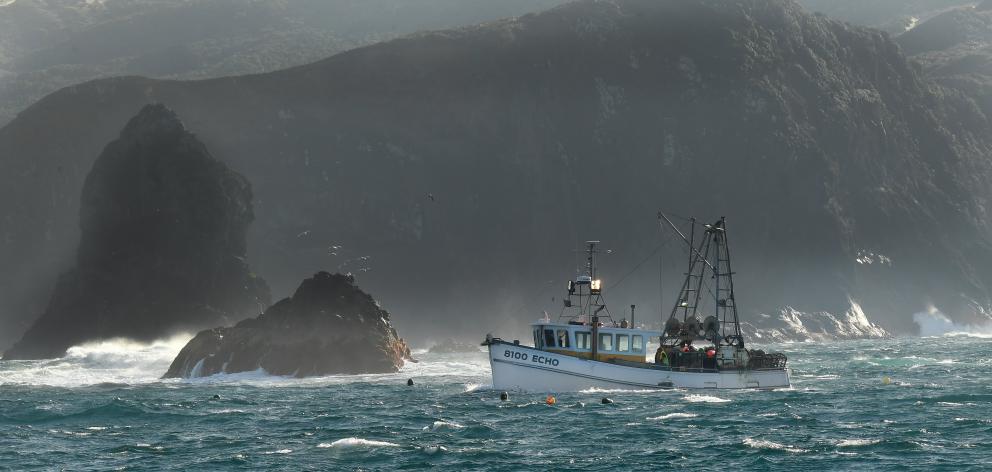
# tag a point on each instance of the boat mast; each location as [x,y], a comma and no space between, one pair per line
[713,253]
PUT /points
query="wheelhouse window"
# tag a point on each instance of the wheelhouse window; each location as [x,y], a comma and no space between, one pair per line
[623,343]
[637,343]
[563,338]
[583,340]
[605,342]
[537,338]
[549,338]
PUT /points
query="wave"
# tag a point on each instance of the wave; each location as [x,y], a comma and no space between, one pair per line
[933,323]
[858,442]
[443,425]
[765,444]
[121,362]
[696,398]
[110,362]
[672,416]
[356,442]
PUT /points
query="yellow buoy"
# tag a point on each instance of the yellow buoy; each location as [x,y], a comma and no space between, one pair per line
[551,400]
[886,380]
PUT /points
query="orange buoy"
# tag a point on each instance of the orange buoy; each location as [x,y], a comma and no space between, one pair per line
[685,348]
[551,400]
[710,353]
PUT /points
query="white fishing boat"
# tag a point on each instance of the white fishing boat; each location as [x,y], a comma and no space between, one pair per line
[586,348]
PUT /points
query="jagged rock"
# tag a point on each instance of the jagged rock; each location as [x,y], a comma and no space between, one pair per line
[449,346]
[329,326]
[793,325]
[163,244]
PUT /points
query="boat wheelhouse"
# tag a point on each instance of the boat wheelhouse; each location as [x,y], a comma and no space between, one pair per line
[587,348]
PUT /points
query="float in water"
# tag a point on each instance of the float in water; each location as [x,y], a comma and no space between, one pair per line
[586,348]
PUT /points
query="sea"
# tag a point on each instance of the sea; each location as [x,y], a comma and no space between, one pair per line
[914,403]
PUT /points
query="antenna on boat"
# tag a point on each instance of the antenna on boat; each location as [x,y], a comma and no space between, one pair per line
[585,292]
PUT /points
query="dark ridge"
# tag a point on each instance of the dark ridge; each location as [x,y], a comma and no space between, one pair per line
[457,170]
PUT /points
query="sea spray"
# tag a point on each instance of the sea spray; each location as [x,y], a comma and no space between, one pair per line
[117,360]
[935,323]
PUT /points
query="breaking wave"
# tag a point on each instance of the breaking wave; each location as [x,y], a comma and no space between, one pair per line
[696,398]
[934,323]
[128,362]
[120,360]
[765,444]
[356,442]
[672,416]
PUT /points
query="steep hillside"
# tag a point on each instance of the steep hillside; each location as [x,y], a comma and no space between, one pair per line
[48,44]
[955,50]
[459,169]
[893,16]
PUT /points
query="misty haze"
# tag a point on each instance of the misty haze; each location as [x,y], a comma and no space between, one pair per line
[384,234]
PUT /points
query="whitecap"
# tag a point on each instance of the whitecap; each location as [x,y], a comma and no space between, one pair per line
[696,398]
[280,451]
[671,416]
[444,425]
[434,449]
[858,442]
[765,444]
[357,442]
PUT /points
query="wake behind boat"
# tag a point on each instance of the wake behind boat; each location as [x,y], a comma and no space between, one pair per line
[586,348]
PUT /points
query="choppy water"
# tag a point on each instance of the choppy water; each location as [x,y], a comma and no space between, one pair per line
[102,408]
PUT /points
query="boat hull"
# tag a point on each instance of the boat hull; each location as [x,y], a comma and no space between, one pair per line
[517,367]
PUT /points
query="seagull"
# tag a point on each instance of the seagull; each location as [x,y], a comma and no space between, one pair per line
[305,233]
[430,196]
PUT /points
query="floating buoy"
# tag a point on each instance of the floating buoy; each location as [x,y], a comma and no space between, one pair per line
[551,400]
[504,396]
[886,380]
[607,401]
[409,383]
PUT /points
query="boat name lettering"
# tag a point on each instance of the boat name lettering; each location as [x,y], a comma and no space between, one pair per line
[544,360]
[515,355]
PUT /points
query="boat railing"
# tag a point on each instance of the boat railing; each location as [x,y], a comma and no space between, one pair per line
[760,360]
[697,361]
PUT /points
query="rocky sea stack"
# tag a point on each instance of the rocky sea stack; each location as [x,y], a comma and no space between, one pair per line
[162,247]
[329,326]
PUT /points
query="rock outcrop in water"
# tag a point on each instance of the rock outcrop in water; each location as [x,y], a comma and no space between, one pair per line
[163,244]
[329,326]
[466,164]
[793,325]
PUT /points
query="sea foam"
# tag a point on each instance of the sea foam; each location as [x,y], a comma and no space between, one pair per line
[696,398]
[356,442]
[765,444]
